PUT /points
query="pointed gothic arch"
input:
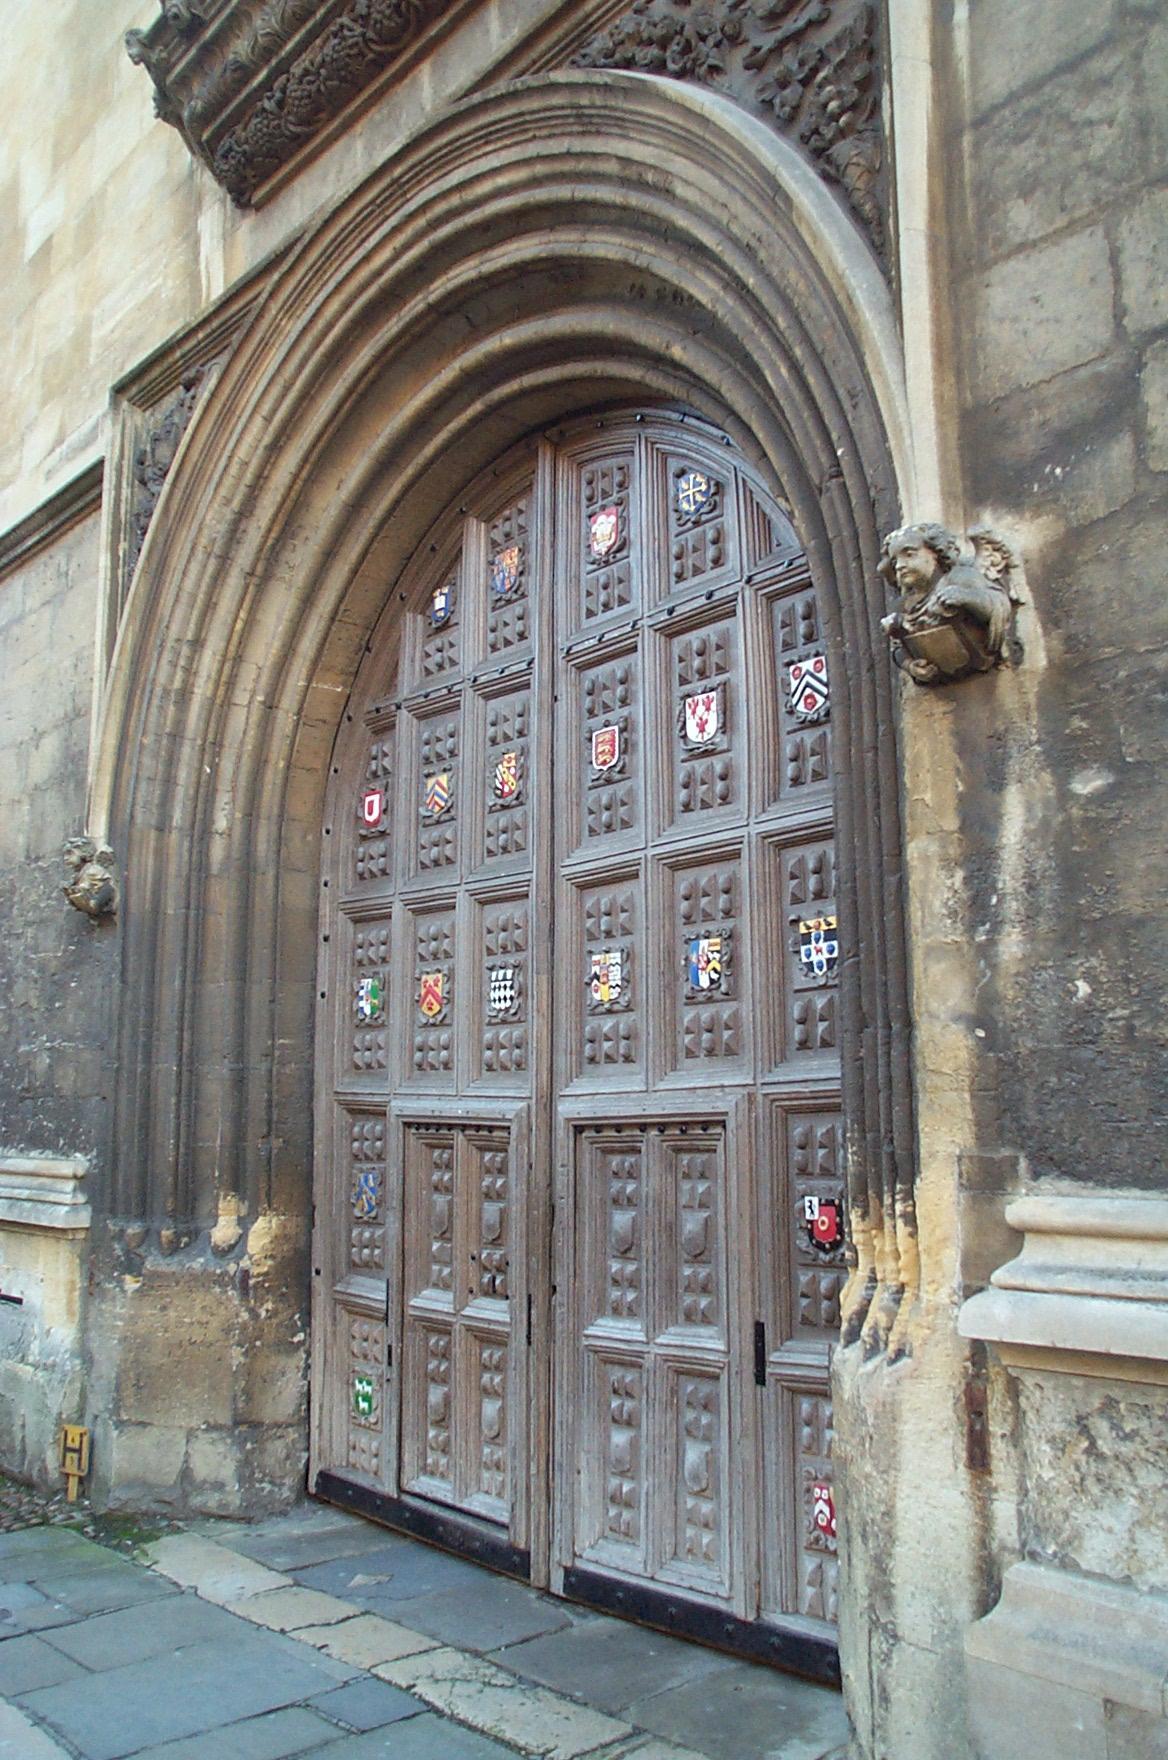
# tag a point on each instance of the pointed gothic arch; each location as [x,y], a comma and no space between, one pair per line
[541,249]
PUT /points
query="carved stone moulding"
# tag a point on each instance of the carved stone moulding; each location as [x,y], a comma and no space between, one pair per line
[252,84]
[812,69]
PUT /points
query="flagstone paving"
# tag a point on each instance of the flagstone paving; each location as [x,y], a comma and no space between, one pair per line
[320,1635]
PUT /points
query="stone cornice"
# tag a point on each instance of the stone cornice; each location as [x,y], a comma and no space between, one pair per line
[809,68]
[76,501]
[251,85]
[45,1192]
[1088,1289]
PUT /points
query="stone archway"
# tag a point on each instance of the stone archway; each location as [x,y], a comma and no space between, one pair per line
[556,245]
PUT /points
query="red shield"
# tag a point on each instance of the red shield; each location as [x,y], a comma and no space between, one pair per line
[606,743]
[823,1220]
[823,1511]
[373,806]
[604,531]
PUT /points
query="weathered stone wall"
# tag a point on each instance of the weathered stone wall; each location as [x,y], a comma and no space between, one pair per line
[99,230]
[1055,159]
[1060,302]
[1034,814]
[56,979]
[56,967]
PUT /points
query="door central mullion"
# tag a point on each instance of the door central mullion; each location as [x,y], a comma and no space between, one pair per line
[536,1338]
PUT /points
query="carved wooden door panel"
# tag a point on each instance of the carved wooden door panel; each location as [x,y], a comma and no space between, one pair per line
[423,1379]
[697,1067]
[579,1216]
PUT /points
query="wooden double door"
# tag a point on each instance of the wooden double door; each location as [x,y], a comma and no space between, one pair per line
[579,1217]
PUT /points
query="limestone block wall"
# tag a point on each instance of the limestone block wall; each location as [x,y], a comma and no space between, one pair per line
[1060,313]
[99,233]
[1058,248]
[57,1028]
[1033,824]
[114,240]
[56,968]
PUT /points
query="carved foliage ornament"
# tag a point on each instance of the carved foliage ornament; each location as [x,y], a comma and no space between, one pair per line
[247,100]
[810,67]
[956,610]
[155,455]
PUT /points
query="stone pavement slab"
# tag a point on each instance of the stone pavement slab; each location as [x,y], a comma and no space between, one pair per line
[500,1705]
[221,1666]
[285,1544]
[213,1571]
[609,1662]
[394,1570]
[109,1715]
[20,1739]
[653,1749]
[366,1704]
[28,1663]
[276,1736]
[286,1610]
[746,1712]
[100,1591]
[421,1738]
[499,1612]
[134,1634]
[366,1639]
[25,1608]
[36,1552]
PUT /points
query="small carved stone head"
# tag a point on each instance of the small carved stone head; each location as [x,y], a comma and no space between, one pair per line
[91,886]
[914,557]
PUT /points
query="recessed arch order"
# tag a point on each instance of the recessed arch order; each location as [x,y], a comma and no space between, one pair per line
[543,248]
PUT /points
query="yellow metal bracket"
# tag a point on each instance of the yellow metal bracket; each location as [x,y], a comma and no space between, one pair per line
[74,1456]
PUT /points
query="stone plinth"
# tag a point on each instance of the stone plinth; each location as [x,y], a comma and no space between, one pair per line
[1074,1657]
[44,1229]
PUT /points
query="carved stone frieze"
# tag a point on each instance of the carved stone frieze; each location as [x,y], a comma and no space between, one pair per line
[956,610]
[249,83]
[811,68]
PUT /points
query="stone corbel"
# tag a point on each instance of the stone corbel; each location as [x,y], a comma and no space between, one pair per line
[92,885]
[1088,1293]
[957,603]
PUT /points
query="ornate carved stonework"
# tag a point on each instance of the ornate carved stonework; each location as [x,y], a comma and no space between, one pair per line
[249,83]
[92,885]
[811,68]
[154,457]
[956,610]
